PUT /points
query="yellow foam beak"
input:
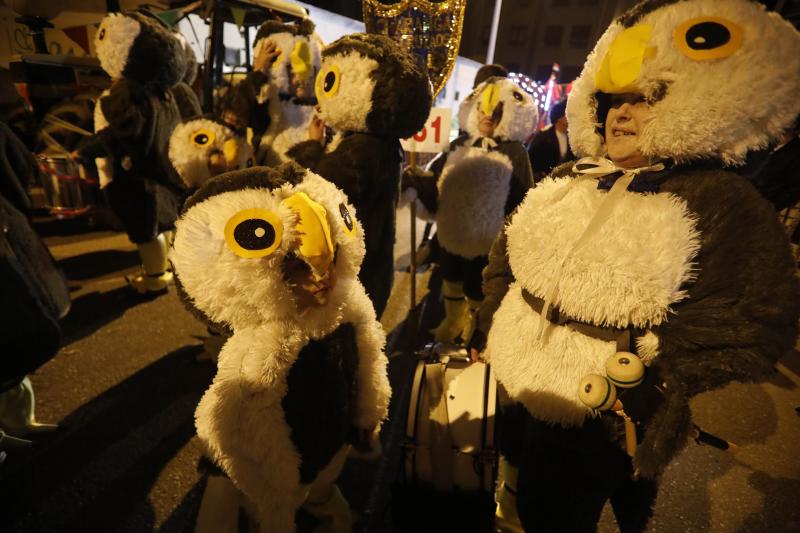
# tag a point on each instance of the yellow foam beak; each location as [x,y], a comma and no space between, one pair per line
[301,60]
[230,149]
[316,246]
[489,99]
[623,62]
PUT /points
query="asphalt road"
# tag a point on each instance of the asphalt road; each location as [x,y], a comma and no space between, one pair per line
[125,384]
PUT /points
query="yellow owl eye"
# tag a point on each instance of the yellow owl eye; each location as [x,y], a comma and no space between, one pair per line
[327,83]
[707,38]
[349,221]
[102,34]
[253,233]
[202,137]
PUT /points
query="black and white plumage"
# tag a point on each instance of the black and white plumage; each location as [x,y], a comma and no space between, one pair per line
[134,119]
[203,147]
[481,181]
[289,117]
[372,93]
[698,269]
[290,388]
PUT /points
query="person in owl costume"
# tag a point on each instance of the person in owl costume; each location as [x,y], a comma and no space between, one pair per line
[203,147]
[133,125]
[472,188]
[277,98]
[272,255]
[645,273]
[372,93]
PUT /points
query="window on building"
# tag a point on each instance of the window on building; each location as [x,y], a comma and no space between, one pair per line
[518,35]
[560,3]
[579,36]
[552,36]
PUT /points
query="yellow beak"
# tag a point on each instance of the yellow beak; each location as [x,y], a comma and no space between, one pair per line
[316,246]
[230,149]
[489,99]
[301,60]
[623,62]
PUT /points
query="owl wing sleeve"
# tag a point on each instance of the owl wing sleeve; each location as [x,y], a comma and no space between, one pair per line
[497,277]
[522,178]
[738,318]
[247,106]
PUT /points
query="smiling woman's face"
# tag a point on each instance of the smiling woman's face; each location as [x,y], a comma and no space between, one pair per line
[624,122]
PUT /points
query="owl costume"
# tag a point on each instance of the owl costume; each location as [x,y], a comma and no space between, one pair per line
[268,103]
[476,184]
[135,120]
[203,147]
[372,93]
[680,264]
[292,389]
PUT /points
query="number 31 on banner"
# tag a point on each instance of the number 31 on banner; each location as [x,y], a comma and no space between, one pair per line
[434,136]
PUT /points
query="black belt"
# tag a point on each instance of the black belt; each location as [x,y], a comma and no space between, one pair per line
[624,337]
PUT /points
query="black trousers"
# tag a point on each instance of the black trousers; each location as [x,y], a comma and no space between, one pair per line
[468,271]
[144,207]
[566,475]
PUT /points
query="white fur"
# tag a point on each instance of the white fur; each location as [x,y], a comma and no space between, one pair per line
[347,110]
[473,190]
[104,164]
[113,50]
[285,42]
[647,347]
[519,117]
[721,108]
[240,418]
[288,126]
[543,375]
[191,161]
[628,274]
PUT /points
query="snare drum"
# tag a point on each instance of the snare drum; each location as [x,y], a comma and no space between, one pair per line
[67,191]
[450,428]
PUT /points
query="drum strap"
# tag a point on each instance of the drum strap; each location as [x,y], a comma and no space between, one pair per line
[624,337]
[441,440]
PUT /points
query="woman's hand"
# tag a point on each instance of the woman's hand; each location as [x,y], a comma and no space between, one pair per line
[266,57]
[316,129]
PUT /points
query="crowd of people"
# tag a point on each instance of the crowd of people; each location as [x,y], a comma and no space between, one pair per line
[609,267]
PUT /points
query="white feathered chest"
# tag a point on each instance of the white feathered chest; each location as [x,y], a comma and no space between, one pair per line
[104,164]
[288,126]
[473,190]
[629,274]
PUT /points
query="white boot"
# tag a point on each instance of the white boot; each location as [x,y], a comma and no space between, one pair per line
[452,327]
[219,509]
[17,417]
[155,277]
[331,509]
[506,519]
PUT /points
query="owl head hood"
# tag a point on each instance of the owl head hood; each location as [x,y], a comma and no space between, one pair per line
[139,47]
[503,98]
[722,78]
[299,51]
[368,83]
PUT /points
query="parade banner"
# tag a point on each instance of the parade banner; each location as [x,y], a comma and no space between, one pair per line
[430,30]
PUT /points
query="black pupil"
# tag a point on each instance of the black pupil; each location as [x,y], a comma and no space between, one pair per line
[201,139]
[707,36]
[518,96]
[588,388]
[102,34]
[348,220]
[254,234]
[330,78]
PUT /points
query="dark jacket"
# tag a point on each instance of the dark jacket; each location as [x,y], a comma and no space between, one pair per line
[242,103]
[739,317]
[367,168]
[545,154]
